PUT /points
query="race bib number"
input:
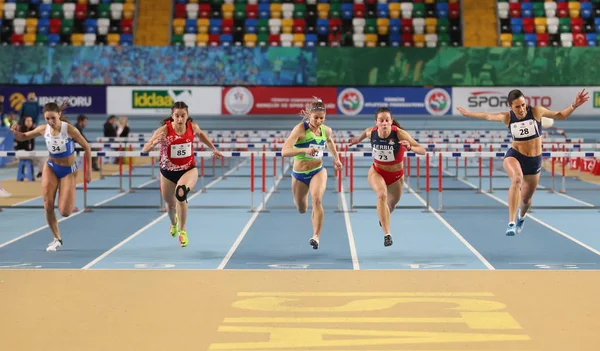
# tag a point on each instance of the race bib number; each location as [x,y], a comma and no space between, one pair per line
[384,155]
[523,129]
[181,150]
[56,146]
[319,154]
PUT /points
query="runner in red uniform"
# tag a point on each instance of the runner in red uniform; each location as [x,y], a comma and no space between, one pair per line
[386,175]
[178,172]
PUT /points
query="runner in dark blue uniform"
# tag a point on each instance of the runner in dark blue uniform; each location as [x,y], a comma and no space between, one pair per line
[523,161]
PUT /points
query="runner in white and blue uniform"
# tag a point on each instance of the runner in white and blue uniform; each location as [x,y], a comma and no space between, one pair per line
[60,171]
[523,161]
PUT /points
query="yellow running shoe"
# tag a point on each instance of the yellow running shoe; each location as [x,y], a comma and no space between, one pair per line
[183,239]
[174,227]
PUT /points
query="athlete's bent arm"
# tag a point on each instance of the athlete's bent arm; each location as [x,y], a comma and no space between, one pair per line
[331,145]
[79,139]
[288,147]
[157,137]
[205,139]
[365,134]
[414,145]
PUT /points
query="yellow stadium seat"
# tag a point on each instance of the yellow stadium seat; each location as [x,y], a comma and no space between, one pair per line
[383,26]
[189,2]
[430,1]
[202,39]
[506,39]
[128,10]
[227,10]
[203,24]
[31,25]
[394,9]
[287,25]
[82,2]
[275,11]
[29,39]
[77,39]
[113,39]
[540,24]
[178,25]
[419,40]
[323,10]
[299,39]
[1,8]
[430,25]
[250,40]
[371,40]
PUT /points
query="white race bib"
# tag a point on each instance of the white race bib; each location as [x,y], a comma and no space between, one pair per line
[523,129]
[56,145]
[321,148]
[384,155]
[181,150]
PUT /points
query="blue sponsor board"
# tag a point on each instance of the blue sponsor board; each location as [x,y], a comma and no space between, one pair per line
[6,144]
[82,99]
[409,101]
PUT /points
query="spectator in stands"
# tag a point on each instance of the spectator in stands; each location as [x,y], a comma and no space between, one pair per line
[109,127]
[110,132]
[82,121]
[26,125]
[122,127]
[31,108]
[9,120]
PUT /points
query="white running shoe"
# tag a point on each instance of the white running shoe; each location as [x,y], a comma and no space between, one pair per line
[55,244]
[4,193]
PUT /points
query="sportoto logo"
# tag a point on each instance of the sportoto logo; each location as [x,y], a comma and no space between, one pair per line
[437,101]
[239,101]
[350,101]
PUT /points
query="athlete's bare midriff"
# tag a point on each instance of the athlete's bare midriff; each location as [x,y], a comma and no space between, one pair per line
[529,148]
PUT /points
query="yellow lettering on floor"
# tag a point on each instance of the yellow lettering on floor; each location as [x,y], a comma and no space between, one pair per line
[276,304]
[475,320]
[315,337]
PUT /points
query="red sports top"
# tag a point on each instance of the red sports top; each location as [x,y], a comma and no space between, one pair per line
[177,152]
[387,151]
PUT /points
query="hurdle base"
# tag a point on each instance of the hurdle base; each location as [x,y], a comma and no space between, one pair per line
[87,209]
[132,190]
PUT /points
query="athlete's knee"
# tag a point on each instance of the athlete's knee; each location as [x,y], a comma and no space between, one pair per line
[382,195]
[181,193]
[48,205]
[317,201]
[517,180]
[302,208]
[64,212]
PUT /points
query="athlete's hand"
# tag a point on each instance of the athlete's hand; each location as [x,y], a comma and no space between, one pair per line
[88,175]
[406,144]
[311,151]
[160,137]
[353,141]
[337,164]
[581,98]
[14,128]
[463,111]
[218,154]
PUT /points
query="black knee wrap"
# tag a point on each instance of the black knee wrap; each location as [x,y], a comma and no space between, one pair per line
[185,189]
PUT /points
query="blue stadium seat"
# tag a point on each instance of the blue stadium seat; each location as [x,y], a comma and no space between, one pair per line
[43,26]
[592,39]
[530,39]
[215,26]
[526,9]
[442,9]
[383,10]
[91,25]
[251,25]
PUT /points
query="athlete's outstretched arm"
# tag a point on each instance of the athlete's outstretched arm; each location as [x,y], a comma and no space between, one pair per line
[158,137]
[19,136]
[498,117]
[580,99]
[406,138]
[365,134]
[331,145]
[205,139]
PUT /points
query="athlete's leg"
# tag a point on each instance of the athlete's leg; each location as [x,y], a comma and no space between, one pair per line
[49,189]
[394,191]
[378,185]
[184,185]
[317,187]
[66,194]
[515,173]
[300,192]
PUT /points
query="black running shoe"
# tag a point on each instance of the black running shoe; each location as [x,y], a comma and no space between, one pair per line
[314,243]
[387,240]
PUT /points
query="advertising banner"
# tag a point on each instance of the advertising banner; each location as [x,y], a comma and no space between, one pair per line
[151,101]
[275,101]
[406,101]
[6,144]
[494,99]
[82,99]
